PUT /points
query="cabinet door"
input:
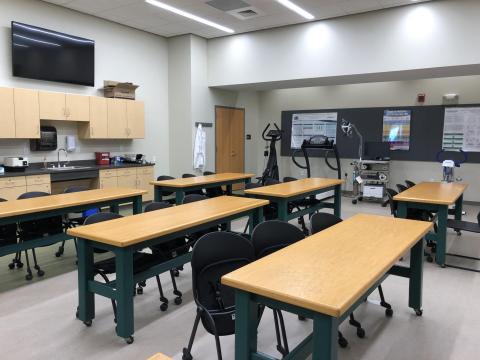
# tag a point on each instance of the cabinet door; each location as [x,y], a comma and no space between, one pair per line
[129,181]
[77,107]
[143,183]
[117,118]
[7,114]
[40,187]
[136,119]
[97,127]
[110,182]
[52,105]
[27,116]
[12,193]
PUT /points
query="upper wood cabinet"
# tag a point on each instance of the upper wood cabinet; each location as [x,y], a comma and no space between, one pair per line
[27,115]
[97,128]
[7,114]
[61,106]
[135,119]
[117,118]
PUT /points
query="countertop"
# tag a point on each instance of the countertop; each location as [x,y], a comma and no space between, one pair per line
[37,168]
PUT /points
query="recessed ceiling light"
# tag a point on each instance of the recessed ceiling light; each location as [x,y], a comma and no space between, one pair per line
[297,9]
[189,15]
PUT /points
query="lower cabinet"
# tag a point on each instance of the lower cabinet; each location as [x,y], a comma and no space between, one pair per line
[134,178]
[12,187]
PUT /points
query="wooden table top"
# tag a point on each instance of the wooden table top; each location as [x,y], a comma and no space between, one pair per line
[329,271]
[53,202]
[294,188]
[159,356]
[202,180]
[439,193]
[138,228]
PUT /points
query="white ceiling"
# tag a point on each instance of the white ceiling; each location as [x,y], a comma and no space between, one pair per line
[140,15]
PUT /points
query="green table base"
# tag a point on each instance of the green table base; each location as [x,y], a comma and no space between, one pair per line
[322,343]
[120,290]
[440,238]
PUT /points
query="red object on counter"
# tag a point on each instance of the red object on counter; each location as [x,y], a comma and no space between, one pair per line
[102,158]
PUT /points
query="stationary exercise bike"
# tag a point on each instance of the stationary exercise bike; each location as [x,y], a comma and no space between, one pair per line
[271,168]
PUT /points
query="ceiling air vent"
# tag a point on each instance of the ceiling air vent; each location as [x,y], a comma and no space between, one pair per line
[227,5]
[246,13]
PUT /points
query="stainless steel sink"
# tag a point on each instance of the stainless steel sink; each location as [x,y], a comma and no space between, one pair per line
[66,168]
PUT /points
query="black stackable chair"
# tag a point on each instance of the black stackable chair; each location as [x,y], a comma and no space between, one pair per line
[167,193]
[409,183]
[401,187]
[165,252]
[32,229]
[213,256]
[319,222]
[268,237]
[8,236]
[214,191]
[199,192]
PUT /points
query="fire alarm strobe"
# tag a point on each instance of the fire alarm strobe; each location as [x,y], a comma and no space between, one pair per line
[421,97]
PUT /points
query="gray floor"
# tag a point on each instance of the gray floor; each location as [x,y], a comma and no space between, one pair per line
[37,319]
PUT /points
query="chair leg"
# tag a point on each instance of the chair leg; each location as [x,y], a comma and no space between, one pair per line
[218,346]
[342,341]
[40,272]
[355,323]
[61,249]
[29,275]
[187,352]
[284,332]
[383,303]
[163,299]
[178,299]
[280,348]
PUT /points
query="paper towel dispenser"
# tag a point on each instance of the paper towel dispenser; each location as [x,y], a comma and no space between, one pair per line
[47,141]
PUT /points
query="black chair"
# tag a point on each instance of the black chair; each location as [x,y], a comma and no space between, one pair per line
[320,222]
[401,188]
[199,192]
[33,229]
[166,193]
[70,221]
[409,183]
[165,252]
[268,237]
[213,256]
[141,261]
[214,191]
[192,238]
[301,203]
[8,236]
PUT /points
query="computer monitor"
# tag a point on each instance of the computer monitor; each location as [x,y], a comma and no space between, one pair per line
[377,150]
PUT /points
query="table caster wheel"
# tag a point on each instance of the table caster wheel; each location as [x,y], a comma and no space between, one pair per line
[88,323]
[419,312]
[186,354]
[343,343]
[29,277]
[129,340]
[360,333]
[301,318]
[389,312]
[177,301]
[353,202]
[139,291]
[164,307]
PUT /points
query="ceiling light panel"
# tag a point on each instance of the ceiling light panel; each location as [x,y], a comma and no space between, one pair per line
[295,8]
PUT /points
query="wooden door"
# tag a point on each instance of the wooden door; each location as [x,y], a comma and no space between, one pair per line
[229,140]
[136,119]
[77,107]
[7,114]
[27,115]
[117,118]
[52,105]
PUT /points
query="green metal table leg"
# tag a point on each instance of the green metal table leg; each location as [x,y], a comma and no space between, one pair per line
[256,217]
[416,277]
[137,205]
[124,291]
[248,181]
[459,208]
[179,195]
[338,201]
[86,299]
[441,247]
[246,313]
[157,193]
[402,209]
[115,209]
[282,210]
[324,337]
[229,189]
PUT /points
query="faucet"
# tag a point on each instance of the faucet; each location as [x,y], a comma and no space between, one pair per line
[58,157]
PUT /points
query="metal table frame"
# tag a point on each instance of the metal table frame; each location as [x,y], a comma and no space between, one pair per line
[440,238]
[120,290]
[180,191]
[322,342]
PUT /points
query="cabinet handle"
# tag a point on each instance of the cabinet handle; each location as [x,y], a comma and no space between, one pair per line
[38,130]
[91,131]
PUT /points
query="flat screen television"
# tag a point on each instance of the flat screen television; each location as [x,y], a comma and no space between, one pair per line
[44,54]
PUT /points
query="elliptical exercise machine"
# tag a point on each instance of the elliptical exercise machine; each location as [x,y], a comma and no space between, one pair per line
[271,168]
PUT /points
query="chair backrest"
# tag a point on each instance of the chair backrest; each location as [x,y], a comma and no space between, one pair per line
[321,221]
[32,194]
[214,255]
[478,218]
[209,173]
[37,228]
[273,235]
[401,187]
[409,183]
[99,217]
[393,204]
[252,185]
[75,188]
[157,206]
[188,175]
[271,181]
[165,177]
[289,178]
[193,197]
[8,233]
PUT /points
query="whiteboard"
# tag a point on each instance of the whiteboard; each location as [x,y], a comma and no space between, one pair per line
[307,125]
[461,129]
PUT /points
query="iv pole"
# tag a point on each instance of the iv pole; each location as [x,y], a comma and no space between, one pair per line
[348,129]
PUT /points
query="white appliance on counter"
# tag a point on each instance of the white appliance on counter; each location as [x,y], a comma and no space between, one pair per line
[17,163]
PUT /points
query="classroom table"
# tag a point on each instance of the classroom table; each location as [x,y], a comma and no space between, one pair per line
[436,197]
[42,207]
[180,186]
[286,192]
[126,235]
[330,274]
[159,356]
